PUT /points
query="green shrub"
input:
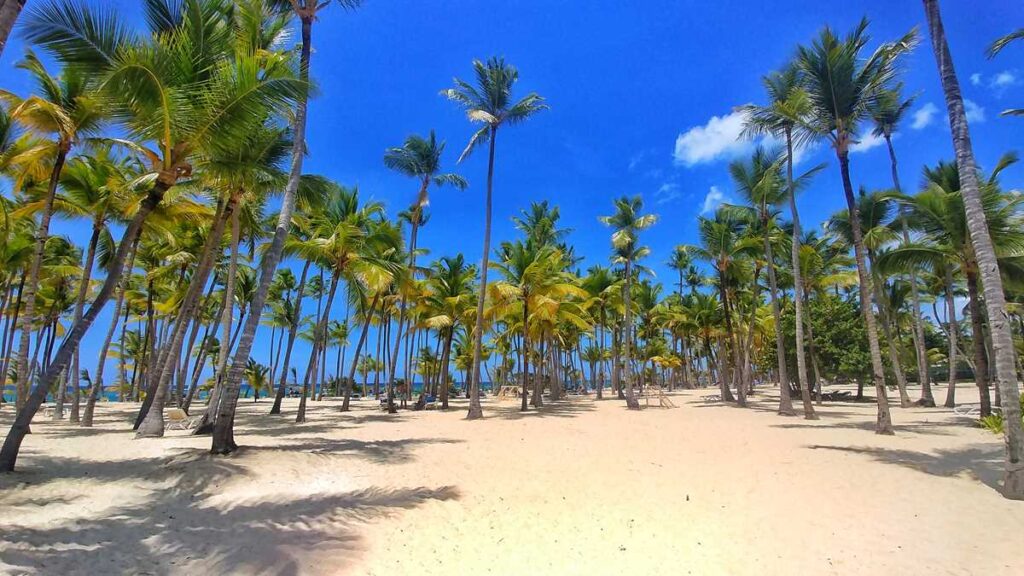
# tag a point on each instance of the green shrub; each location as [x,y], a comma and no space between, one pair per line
[994,422]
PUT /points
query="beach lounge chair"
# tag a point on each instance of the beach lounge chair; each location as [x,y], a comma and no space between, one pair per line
[712,398]
[967,410]
[178,419]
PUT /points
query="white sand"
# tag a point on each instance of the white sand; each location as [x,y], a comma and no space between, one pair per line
[582,487]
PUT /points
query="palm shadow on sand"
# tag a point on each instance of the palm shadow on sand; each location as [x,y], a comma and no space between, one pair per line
[983,462]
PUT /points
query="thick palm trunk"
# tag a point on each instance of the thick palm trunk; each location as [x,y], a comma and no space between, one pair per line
[445,357]
[995,302]
[12,444]
[97,387]
[29,297]
[798,300]
[952,336]
[883,424]
[475,410]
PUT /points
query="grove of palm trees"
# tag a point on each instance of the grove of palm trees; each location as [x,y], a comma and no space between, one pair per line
[235,337]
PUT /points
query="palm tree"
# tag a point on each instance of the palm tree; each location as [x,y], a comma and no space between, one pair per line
[256,377]
[223,432]
[601,287]
[886,113]
[9,11]
[995,301]
[997,47]
[490,103]
[627,223]
[841,87]
[450,304]
[785,116]
[418,158]
[67,107]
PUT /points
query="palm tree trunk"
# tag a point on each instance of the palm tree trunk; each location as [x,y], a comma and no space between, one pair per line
[319,338]
[785,403]
[42,232]
[97,387]
[883,424]
[953,331]
[9,346]
[226,318]
[83,290]
[9,11]
[798,286]
[223,434]
[475,410]
[890,342]
[995,302]
[393,360]
[12,444]
[445,357]
[981,367]
[631,402]
[152,425]
[359,350]
[293,332]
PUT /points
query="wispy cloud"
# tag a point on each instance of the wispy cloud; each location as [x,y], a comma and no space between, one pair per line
[924,116]
[976,79]
[717,139]
[712,201]
[668,192]
[867,142]
[997,83]
[974,112]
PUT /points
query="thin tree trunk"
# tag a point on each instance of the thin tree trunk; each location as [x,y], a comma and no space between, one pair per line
[319,336]
[359,350]
[953,331]
[883,424]
[631,402]
[890,341]
[785,403]
[981,368]
[293,332]
[475,410]
[9,11]
[798,301]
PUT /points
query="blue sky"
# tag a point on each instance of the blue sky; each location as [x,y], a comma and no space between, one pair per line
[641,96]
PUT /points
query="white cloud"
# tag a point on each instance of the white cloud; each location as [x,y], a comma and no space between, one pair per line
[924,115]
[713,200]
[976,79]
[668,192]
[719,138]
[1003,79]
[867,142]
[974,112]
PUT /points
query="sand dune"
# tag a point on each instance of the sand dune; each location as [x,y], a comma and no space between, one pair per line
[580,487]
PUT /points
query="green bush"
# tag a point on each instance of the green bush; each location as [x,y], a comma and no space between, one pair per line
[994,422]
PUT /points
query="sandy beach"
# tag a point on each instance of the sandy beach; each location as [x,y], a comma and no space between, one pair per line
[580,487]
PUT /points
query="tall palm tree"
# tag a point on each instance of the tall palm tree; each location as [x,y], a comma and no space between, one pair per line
[489,103]
[450,305]
[600,285]
[9,11]
[995,301]
[841,87]
[886,113]
[418,158]
[627,223]
[784,117]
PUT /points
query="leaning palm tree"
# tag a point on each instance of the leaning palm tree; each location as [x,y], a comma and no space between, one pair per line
[489,103]
[995,300]
[841,87]
[627,223]
[419,158]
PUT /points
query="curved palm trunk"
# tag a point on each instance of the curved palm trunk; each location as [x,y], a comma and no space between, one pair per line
[227,314]
[475,410]
[883,424]
[83,290]
[785,403]
[393,361]
[890,341]
[12,444]
[981,368]
[42,232]
[995,302]
[798,300]
[953,331]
